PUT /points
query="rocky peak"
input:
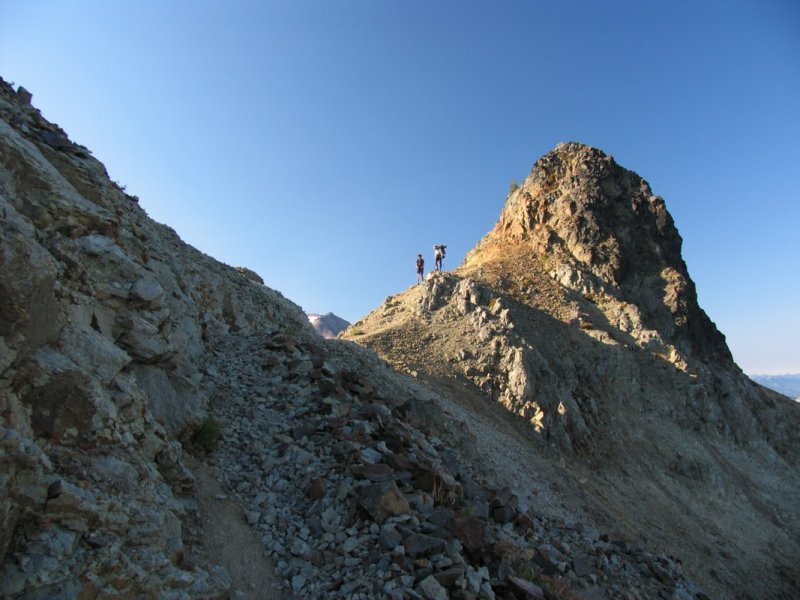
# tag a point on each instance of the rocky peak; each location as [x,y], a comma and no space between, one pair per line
[576,314]
[603,233]
[328,325]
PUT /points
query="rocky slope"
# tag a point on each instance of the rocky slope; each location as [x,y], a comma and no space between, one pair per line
[328,325]
[105,321]
[316,470]
[577,315]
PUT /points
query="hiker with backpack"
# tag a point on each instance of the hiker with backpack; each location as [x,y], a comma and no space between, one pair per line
[420,269]
[438,255]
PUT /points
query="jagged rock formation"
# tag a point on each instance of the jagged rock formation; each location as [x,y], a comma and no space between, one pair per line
[605,234]
[328,325]
[577,314]
[121,347]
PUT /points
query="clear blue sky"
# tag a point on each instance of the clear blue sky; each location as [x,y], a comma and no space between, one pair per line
[325,144]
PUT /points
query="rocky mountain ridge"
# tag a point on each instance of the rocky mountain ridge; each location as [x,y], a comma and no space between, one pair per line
[122,348]
[328,325]
[577,314]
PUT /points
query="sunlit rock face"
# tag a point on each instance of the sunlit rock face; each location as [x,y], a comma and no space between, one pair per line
[605,233]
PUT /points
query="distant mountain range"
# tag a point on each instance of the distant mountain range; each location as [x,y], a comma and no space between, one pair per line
[788,385]
[328,325]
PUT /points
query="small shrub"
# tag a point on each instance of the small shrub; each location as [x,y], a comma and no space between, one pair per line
[527,571]
[357,332]
[207,435]
[444,494]
[513,187]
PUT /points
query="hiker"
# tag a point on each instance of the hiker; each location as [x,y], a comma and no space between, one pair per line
[420,269]
[438,255]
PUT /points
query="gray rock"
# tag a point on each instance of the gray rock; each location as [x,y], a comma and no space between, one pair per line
[25,97]
[298,583]
[474,578]
[528,588]
[148,290]
[432,589]
[370,456]
[486,592]
[142,338]
[448,576]
[389,538]
[300,548]
[350,544]
[93,352]
[583,567]
[175,402]
[422,545]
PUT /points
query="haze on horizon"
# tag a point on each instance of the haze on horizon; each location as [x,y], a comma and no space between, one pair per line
[324,145]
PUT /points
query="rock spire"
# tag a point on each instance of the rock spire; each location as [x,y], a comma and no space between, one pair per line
[604,232]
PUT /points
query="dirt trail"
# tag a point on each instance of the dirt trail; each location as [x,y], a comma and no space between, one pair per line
[227,540]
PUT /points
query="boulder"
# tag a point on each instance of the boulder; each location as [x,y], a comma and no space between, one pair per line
[527,588]
[173,400]
[432,589]
[471,532]
[382,500]
[417,545]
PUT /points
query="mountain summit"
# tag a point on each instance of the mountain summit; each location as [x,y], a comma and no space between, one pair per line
[328,325]
[576,315]
[606,235]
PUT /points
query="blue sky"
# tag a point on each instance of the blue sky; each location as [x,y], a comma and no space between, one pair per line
[325,144]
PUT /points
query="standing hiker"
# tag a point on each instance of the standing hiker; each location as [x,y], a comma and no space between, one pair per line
[438,255]
[420,269]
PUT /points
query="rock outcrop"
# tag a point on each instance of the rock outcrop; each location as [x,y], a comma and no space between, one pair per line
[121,348]
[606,234]
[577,314]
